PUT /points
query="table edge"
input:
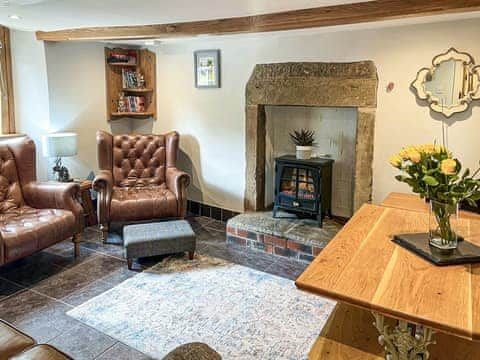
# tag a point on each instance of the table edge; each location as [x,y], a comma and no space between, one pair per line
[472,336]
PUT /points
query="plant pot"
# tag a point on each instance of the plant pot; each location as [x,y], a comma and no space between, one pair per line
[304,152]
[442,222]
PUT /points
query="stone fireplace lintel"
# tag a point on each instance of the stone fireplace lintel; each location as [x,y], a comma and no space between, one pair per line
[310,84]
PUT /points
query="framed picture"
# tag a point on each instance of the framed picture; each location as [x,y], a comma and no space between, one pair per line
[207,68]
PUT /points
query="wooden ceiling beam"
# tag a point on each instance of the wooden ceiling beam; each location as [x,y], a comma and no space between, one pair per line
[344,14]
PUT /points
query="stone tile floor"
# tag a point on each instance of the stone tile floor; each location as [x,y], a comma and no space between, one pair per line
[36,292]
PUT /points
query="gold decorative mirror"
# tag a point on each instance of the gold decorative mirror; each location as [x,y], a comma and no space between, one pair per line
[451,84]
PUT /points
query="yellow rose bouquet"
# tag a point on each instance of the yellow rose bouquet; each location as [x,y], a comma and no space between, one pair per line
[433,173]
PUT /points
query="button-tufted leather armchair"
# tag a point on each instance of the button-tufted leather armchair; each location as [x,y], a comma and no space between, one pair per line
[138,178]
[33,215]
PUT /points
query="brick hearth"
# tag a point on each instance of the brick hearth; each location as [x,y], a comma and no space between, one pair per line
[298,239]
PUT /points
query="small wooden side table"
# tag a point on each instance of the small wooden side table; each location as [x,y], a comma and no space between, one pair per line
[86,198]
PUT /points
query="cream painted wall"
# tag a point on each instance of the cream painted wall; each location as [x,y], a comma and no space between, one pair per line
[76,82]
[61,87]
[213,121]
[32,114]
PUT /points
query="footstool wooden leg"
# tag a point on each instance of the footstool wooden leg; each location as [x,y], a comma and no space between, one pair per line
[129,263]
[191,255]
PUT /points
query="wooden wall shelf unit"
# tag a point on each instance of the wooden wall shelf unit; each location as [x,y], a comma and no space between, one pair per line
[146,65]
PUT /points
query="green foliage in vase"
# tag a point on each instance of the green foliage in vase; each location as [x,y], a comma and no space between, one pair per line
[432,172]
[303,137]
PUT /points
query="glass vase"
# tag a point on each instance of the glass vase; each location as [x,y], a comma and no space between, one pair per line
[442,221]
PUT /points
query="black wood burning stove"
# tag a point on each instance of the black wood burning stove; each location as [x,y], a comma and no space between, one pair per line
[303,186]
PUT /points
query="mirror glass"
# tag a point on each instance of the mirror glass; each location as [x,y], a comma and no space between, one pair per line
[450,84]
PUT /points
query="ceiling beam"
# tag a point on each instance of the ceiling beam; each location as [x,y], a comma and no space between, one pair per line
[288,20]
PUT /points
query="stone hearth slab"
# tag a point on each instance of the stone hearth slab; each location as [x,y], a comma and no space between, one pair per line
[286,235]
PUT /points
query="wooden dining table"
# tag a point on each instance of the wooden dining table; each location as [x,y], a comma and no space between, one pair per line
[362,267]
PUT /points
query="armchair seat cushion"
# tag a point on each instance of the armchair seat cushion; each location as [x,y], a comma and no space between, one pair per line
[140,203]
[24,230]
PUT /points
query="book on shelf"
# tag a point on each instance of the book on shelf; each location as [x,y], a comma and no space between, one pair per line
[128,58]
[135,104]
[129,79]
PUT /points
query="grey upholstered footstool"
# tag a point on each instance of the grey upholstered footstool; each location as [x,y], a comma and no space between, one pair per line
[158,238]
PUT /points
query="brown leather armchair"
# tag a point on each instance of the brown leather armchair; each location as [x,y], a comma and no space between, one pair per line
[138,178]
[33,215]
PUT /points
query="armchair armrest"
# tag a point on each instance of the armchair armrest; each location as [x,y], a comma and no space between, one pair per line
[55,195]
[103,185]
[103,181]
[177,182]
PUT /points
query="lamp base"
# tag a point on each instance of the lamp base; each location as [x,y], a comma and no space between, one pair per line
[61,172]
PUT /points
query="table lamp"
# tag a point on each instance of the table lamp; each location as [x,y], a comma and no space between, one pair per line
[60,145]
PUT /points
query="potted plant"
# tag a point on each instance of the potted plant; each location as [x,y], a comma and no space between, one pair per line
[432,172]
[304,140]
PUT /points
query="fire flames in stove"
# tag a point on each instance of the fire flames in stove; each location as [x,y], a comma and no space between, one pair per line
[306,189]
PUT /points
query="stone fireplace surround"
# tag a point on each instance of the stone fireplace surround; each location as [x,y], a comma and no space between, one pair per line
[310,84]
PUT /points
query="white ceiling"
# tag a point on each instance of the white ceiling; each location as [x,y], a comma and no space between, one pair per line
[50,15]
[61,14]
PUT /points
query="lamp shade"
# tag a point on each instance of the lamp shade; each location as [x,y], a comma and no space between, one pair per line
[60,145]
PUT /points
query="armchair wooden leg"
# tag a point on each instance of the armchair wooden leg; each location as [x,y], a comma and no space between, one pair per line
[76,244]
[104,230]
[191,255]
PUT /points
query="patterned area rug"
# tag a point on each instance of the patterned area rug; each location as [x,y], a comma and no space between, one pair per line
[240,312]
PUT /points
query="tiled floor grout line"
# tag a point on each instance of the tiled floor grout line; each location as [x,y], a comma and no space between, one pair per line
[52,339]
[14,283]
[268,267]
[50,297]
[100,281]
[104,253]
[88,326]
[31,288]
[108,348]
[67,268]
[214,228]
[22,289]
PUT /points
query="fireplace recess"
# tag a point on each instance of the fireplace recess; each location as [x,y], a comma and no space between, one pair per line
[303,186]
[352,85]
